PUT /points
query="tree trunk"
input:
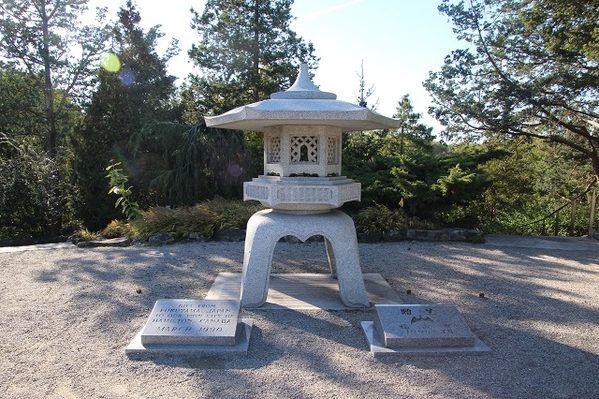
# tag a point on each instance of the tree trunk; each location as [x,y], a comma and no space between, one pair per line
[592,218]
[572,219]
[256,52]
[51,133]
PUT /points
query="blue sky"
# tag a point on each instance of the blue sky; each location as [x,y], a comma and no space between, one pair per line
[399,41]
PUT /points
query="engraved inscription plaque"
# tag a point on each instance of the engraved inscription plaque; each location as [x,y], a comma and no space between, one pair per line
[418,326]
[192,322]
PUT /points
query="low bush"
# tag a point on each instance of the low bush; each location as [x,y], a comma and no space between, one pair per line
[179,221]
[233,214]
[207,218]
[219,214]
[380,220]
[87,235]
[118,228]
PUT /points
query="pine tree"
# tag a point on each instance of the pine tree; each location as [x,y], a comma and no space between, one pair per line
[529,69]
[411,133]
[128,97]
[246,52]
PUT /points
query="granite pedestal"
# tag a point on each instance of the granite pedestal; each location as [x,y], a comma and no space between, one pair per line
[266,228]
[189,326]
[431,329]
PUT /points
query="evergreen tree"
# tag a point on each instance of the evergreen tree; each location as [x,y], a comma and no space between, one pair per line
[531,185]
[127,98]
[195,162]
[411,133]
[246,52]
[442,185]
[529,69]
[365,93]
[368,159]
[38,38]
[371,157]
[406,168]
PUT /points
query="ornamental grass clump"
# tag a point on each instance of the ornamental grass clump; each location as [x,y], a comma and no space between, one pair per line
[87,235]
[179,221]
[233,214]
[118,228]
[206,218]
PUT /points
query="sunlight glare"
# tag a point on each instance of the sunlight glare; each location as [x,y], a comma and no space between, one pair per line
[110,62]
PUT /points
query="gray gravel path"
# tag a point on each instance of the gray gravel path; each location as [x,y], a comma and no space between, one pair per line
[68,313]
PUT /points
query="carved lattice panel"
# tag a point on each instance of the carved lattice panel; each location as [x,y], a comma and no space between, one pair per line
[333,151]
[304,149]
[273,152]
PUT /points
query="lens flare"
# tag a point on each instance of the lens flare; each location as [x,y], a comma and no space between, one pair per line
[234,170]
[127,77]
[110,62]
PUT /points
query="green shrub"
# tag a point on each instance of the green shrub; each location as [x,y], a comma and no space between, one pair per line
[118,180]
[179,221]
[33,200]
[207,218]
[233,214]
[380,220]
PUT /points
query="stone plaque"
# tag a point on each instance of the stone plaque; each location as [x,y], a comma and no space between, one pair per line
[192,322]
[421,326]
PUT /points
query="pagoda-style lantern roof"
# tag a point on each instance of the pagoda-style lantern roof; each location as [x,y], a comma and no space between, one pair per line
[302,146]
[302,104]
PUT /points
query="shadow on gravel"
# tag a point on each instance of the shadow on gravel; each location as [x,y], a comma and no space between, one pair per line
[184,361]
[538,312]
[523,364]
[127,281]
[536,308]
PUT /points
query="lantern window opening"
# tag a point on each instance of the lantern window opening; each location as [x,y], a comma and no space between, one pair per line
[304,149]
[333,151]
[273,150]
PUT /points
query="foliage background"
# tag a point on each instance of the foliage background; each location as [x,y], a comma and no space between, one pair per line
[518,151]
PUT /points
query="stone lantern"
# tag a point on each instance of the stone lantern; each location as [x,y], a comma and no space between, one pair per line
[302,182]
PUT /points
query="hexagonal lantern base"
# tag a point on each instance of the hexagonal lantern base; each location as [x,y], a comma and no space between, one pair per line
[302,194]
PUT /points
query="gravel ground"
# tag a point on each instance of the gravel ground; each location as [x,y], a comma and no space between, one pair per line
[68,314]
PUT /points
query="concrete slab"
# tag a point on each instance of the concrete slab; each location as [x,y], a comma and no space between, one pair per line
[421,326]
[378,349]
[542,242]
[136,347]
[303,291]
[192,322]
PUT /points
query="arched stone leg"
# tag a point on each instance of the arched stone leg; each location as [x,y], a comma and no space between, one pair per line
[331,256]
[341,234]
[266,228]
[260,241]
